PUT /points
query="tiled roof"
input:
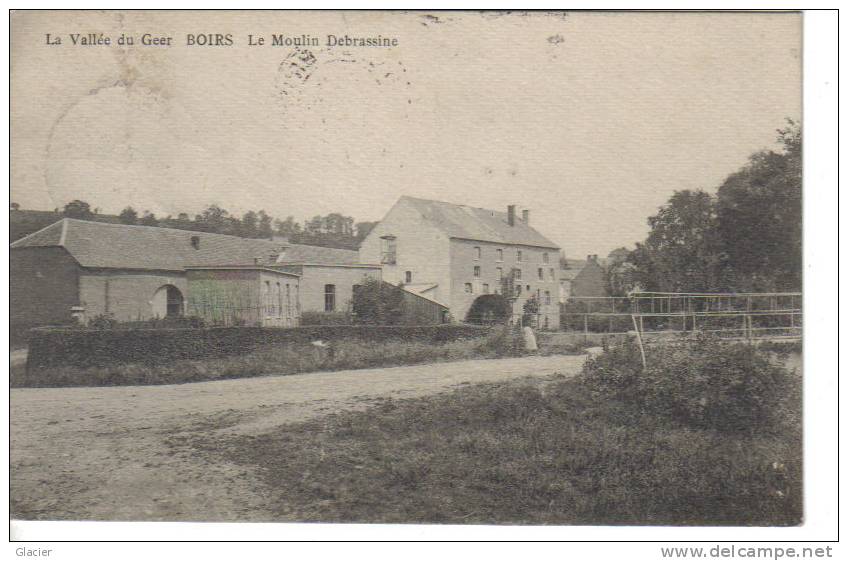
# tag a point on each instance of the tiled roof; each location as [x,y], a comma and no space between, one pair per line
[120,246]
[471,223]
[574,268]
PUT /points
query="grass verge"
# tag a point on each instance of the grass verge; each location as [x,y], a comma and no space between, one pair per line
[522,453]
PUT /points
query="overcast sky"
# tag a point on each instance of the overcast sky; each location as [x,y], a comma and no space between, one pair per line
[590,120]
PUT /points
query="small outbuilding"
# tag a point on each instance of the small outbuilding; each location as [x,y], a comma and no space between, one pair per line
[244,295]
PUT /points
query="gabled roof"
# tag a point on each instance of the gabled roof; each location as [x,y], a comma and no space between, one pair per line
[575,267]
[121,246]
[471,223]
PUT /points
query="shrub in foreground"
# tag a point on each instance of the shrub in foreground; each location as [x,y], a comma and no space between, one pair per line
[704,383]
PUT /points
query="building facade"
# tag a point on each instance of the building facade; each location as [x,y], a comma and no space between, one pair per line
[244,295]
[131,273]
[452,254]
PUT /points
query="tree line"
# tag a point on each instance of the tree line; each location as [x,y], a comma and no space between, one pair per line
[331,230]
[745,238]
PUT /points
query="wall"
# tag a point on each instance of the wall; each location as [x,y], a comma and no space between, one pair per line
[282,304]
[129,293]
[224,296]
[43,286]
[315,277]
[463,259]
[421,249]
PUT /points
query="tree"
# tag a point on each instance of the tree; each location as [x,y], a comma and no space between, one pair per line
[376,302]
[214,219]
[363,229]
[78,209]
[683,251]
[530,311]
[247,227]
[619,273]
[264,228]
[287,228]
[759,218]
[148,219]
[128,216]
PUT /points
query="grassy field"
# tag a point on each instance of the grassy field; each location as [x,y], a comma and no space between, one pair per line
[542,452]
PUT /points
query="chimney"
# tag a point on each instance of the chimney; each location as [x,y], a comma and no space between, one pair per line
[525,216]
[510,215]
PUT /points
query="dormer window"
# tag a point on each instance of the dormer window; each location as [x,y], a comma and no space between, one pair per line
[388,250]
[195,242]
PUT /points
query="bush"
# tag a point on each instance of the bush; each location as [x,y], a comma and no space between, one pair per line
[489,308]
[326,318]
[705,383]
[269,358]
[505,340]
[107,347]
[102,321]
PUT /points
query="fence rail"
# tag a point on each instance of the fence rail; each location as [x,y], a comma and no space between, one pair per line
[743,315]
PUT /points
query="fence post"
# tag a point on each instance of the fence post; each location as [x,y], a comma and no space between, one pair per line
[639,340]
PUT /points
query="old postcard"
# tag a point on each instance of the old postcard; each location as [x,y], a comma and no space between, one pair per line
[478,268]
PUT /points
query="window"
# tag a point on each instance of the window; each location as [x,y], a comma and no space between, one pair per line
[468,288]
[477,271]
[553,273]
[269,299]
[518,256]
[517,290]
[517,275]
[389,250]
[477,252]
[544,258]
[541,273]
[547,323]
[500,255]
[408,277]
[329,297]
[288,301]
[485,288]
[279,301]
[547,298]
[500,273]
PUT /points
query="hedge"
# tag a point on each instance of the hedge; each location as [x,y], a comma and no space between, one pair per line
[83,348]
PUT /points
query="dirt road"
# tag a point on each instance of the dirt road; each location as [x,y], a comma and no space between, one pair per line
[108,453]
